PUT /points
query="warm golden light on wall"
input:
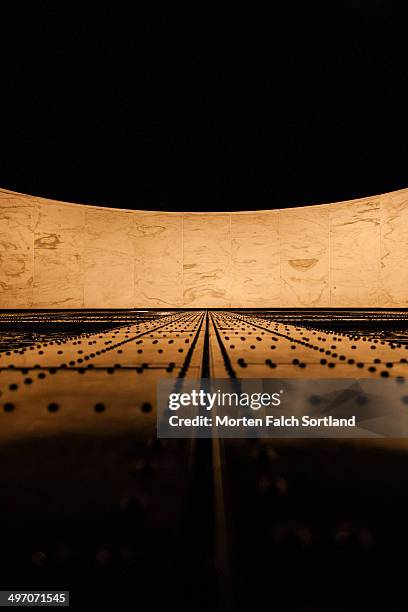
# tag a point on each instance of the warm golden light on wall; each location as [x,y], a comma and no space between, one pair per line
[60,255]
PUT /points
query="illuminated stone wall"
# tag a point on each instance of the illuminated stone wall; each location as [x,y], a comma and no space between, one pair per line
[60,255]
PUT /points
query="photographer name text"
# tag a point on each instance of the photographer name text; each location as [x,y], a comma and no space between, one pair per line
[267,421]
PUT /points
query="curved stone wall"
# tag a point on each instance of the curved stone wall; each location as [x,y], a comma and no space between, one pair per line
[347,254]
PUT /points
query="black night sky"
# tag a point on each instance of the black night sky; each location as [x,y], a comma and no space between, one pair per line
[181,108]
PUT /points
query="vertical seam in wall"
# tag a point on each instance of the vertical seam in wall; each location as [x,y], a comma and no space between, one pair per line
[36,219]
[182,260]
[83,259]
[330,272]
[230,260]
[280,260]
[379,296]
[132,219]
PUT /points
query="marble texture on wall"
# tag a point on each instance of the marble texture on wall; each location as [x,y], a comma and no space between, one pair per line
[255,259]
[58,256]
[394,249]
[108,279]
[108,259]
[304,235]
[17,220]
[206,260]
[61,255]
[158,247]
[355,253]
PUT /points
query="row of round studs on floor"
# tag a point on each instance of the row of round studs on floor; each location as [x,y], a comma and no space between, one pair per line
[373,347]
[337,334]
[110,370]
[243,364]
[390,343]
[77,340]
[54,407]
[102,351]
[384,373]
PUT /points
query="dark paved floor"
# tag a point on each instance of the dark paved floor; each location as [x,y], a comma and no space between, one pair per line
[91,500]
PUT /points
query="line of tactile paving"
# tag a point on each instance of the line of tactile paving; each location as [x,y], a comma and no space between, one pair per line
[52,400]
[268,348]
[79,351]
[161,348]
